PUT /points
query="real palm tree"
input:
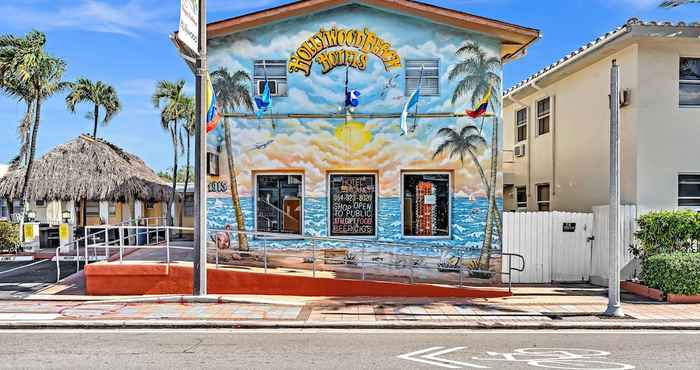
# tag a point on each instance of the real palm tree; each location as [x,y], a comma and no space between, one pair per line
[674,3]
[169,98]
[188,127]
[478,72]
[28,72]
[233,93]
[99,94]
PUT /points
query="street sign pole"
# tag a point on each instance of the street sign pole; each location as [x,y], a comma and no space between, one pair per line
[615,242]
[200,150]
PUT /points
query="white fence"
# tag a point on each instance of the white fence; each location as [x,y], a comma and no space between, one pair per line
[555,245]
[601,251]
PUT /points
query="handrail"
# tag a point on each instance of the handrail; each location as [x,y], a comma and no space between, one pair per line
[406,260]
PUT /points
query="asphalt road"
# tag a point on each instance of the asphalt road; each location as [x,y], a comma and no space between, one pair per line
[343,349]
[17,278]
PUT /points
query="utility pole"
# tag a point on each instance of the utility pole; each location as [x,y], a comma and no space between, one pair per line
[200,161]
[615,242]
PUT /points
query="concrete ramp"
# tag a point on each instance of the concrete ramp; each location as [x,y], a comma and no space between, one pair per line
[138,278]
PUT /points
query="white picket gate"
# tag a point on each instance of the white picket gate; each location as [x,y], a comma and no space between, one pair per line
[601,252]
[551,253]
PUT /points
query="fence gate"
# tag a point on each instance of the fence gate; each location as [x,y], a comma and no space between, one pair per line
[555,245]
[601,250]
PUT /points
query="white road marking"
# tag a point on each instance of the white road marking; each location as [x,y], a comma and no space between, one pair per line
[409,357]
[21,267]
[434,356]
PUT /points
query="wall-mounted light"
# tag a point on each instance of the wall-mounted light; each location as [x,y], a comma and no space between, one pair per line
[66,216]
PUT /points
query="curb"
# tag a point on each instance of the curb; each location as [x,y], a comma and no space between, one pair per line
[197,299]
[225,324]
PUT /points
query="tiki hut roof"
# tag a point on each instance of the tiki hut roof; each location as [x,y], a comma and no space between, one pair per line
[87,168]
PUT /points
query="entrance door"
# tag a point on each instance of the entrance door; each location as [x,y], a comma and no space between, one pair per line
[571,246]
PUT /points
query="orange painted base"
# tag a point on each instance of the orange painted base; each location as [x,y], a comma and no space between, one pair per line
[137,279]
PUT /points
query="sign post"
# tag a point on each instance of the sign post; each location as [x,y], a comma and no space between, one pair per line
[614,307]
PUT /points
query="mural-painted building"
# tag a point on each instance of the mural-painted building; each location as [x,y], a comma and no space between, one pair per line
[312,165]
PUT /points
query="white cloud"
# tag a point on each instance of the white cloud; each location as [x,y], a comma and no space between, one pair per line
[127,18]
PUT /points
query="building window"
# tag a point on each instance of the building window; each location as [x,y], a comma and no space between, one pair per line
[150,205]
[689,77]
[40,203]
[543,197]
[521,125]
[92,209]
[689,190]
[276,72]
[352,204]
[278,203]
[543,116]
[426,204]
[212,164]
[4,210]
[521,197]
[112,209]
[188,206]
[429,80]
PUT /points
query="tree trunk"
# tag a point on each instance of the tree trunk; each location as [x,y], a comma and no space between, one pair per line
[485,181]
[187,180]
[488,232]
[32,152]
[97,114]
[240,221]
[173,133]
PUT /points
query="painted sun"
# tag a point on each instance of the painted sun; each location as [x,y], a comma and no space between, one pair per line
[354,135]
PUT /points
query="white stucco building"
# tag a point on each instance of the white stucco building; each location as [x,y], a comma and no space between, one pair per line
[556,123]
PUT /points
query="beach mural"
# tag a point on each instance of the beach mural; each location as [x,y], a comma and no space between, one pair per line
[325,139]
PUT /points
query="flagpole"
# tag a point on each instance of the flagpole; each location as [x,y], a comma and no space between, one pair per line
[199,276]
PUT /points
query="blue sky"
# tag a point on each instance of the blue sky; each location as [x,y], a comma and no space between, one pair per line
[125,43]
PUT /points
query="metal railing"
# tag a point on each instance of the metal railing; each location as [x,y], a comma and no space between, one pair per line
[364,254]
[408,259]
[100,238]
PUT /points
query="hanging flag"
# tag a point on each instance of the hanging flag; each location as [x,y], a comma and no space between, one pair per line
[480,109]
[213,114]
[412,101]
[264,103]
[352,98]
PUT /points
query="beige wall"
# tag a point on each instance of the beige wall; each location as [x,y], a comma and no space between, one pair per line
[573,156]
[659,138]
[669,135]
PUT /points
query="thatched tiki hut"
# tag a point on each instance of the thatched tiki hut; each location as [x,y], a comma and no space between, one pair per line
[98,182]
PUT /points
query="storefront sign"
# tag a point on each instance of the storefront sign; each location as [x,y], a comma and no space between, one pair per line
[569,227]
[352,205]
[188,32]
[364,41]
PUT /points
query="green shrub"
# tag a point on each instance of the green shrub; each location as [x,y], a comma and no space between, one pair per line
[677,273]
[668,232]
[9,237]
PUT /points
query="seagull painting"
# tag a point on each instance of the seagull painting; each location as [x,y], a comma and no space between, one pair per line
[261,146]
[389,84]
[675,3]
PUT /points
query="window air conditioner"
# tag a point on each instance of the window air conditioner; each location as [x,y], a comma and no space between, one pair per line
[519,150]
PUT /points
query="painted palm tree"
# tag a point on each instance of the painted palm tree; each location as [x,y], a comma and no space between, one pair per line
[467,141]
[99,95]
[233,93]
[169,97]
[476,73]
[29,73]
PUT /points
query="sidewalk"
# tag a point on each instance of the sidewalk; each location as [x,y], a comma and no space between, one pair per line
[540,307]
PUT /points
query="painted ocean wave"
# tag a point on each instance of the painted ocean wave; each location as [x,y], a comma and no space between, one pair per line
[468,220]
